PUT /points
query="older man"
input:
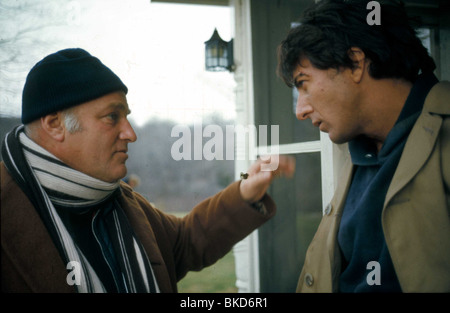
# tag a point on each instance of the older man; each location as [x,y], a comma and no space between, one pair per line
[387,228]
[69,224]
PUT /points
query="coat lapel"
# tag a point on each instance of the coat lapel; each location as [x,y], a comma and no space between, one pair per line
[337,206]
[421,141]
[343,185]
[140,224]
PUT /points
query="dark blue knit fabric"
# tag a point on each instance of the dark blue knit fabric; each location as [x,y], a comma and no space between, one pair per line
[64,79]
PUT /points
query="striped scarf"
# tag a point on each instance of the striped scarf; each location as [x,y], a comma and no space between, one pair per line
[50,183]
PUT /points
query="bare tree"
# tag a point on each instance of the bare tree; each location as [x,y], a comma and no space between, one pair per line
[29,29]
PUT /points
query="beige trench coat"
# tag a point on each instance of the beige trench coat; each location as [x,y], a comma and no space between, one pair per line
[415,216]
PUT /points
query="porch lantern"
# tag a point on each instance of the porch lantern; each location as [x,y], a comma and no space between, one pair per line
[218,54]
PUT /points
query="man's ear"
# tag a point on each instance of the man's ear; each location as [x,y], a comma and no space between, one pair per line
[53,125]
[360,63]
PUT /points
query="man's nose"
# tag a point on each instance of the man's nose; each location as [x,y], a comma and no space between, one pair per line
[127,132]
[302,110]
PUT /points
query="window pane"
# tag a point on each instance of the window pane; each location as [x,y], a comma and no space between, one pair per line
[285,239]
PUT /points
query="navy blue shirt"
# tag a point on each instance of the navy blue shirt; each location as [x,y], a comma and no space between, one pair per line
[360,235]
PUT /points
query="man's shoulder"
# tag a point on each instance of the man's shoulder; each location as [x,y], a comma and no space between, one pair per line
[7,180]
[438,99]
[134,201]
[129,195]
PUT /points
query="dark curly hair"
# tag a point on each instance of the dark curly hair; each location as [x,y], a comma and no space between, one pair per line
[330,28]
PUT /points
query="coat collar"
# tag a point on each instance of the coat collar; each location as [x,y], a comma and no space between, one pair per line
[422,138]
[425,131]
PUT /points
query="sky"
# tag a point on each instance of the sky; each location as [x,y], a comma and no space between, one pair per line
[156,49]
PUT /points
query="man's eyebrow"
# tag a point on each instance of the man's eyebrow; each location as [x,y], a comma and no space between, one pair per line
[121,106]
[298,76]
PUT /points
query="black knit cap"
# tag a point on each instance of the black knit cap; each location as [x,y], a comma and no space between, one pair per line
[64,79]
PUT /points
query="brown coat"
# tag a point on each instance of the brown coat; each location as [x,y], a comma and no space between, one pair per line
[416,213]
[31,263]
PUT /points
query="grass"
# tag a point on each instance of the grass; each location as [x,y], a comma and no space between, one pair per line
[219,277]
